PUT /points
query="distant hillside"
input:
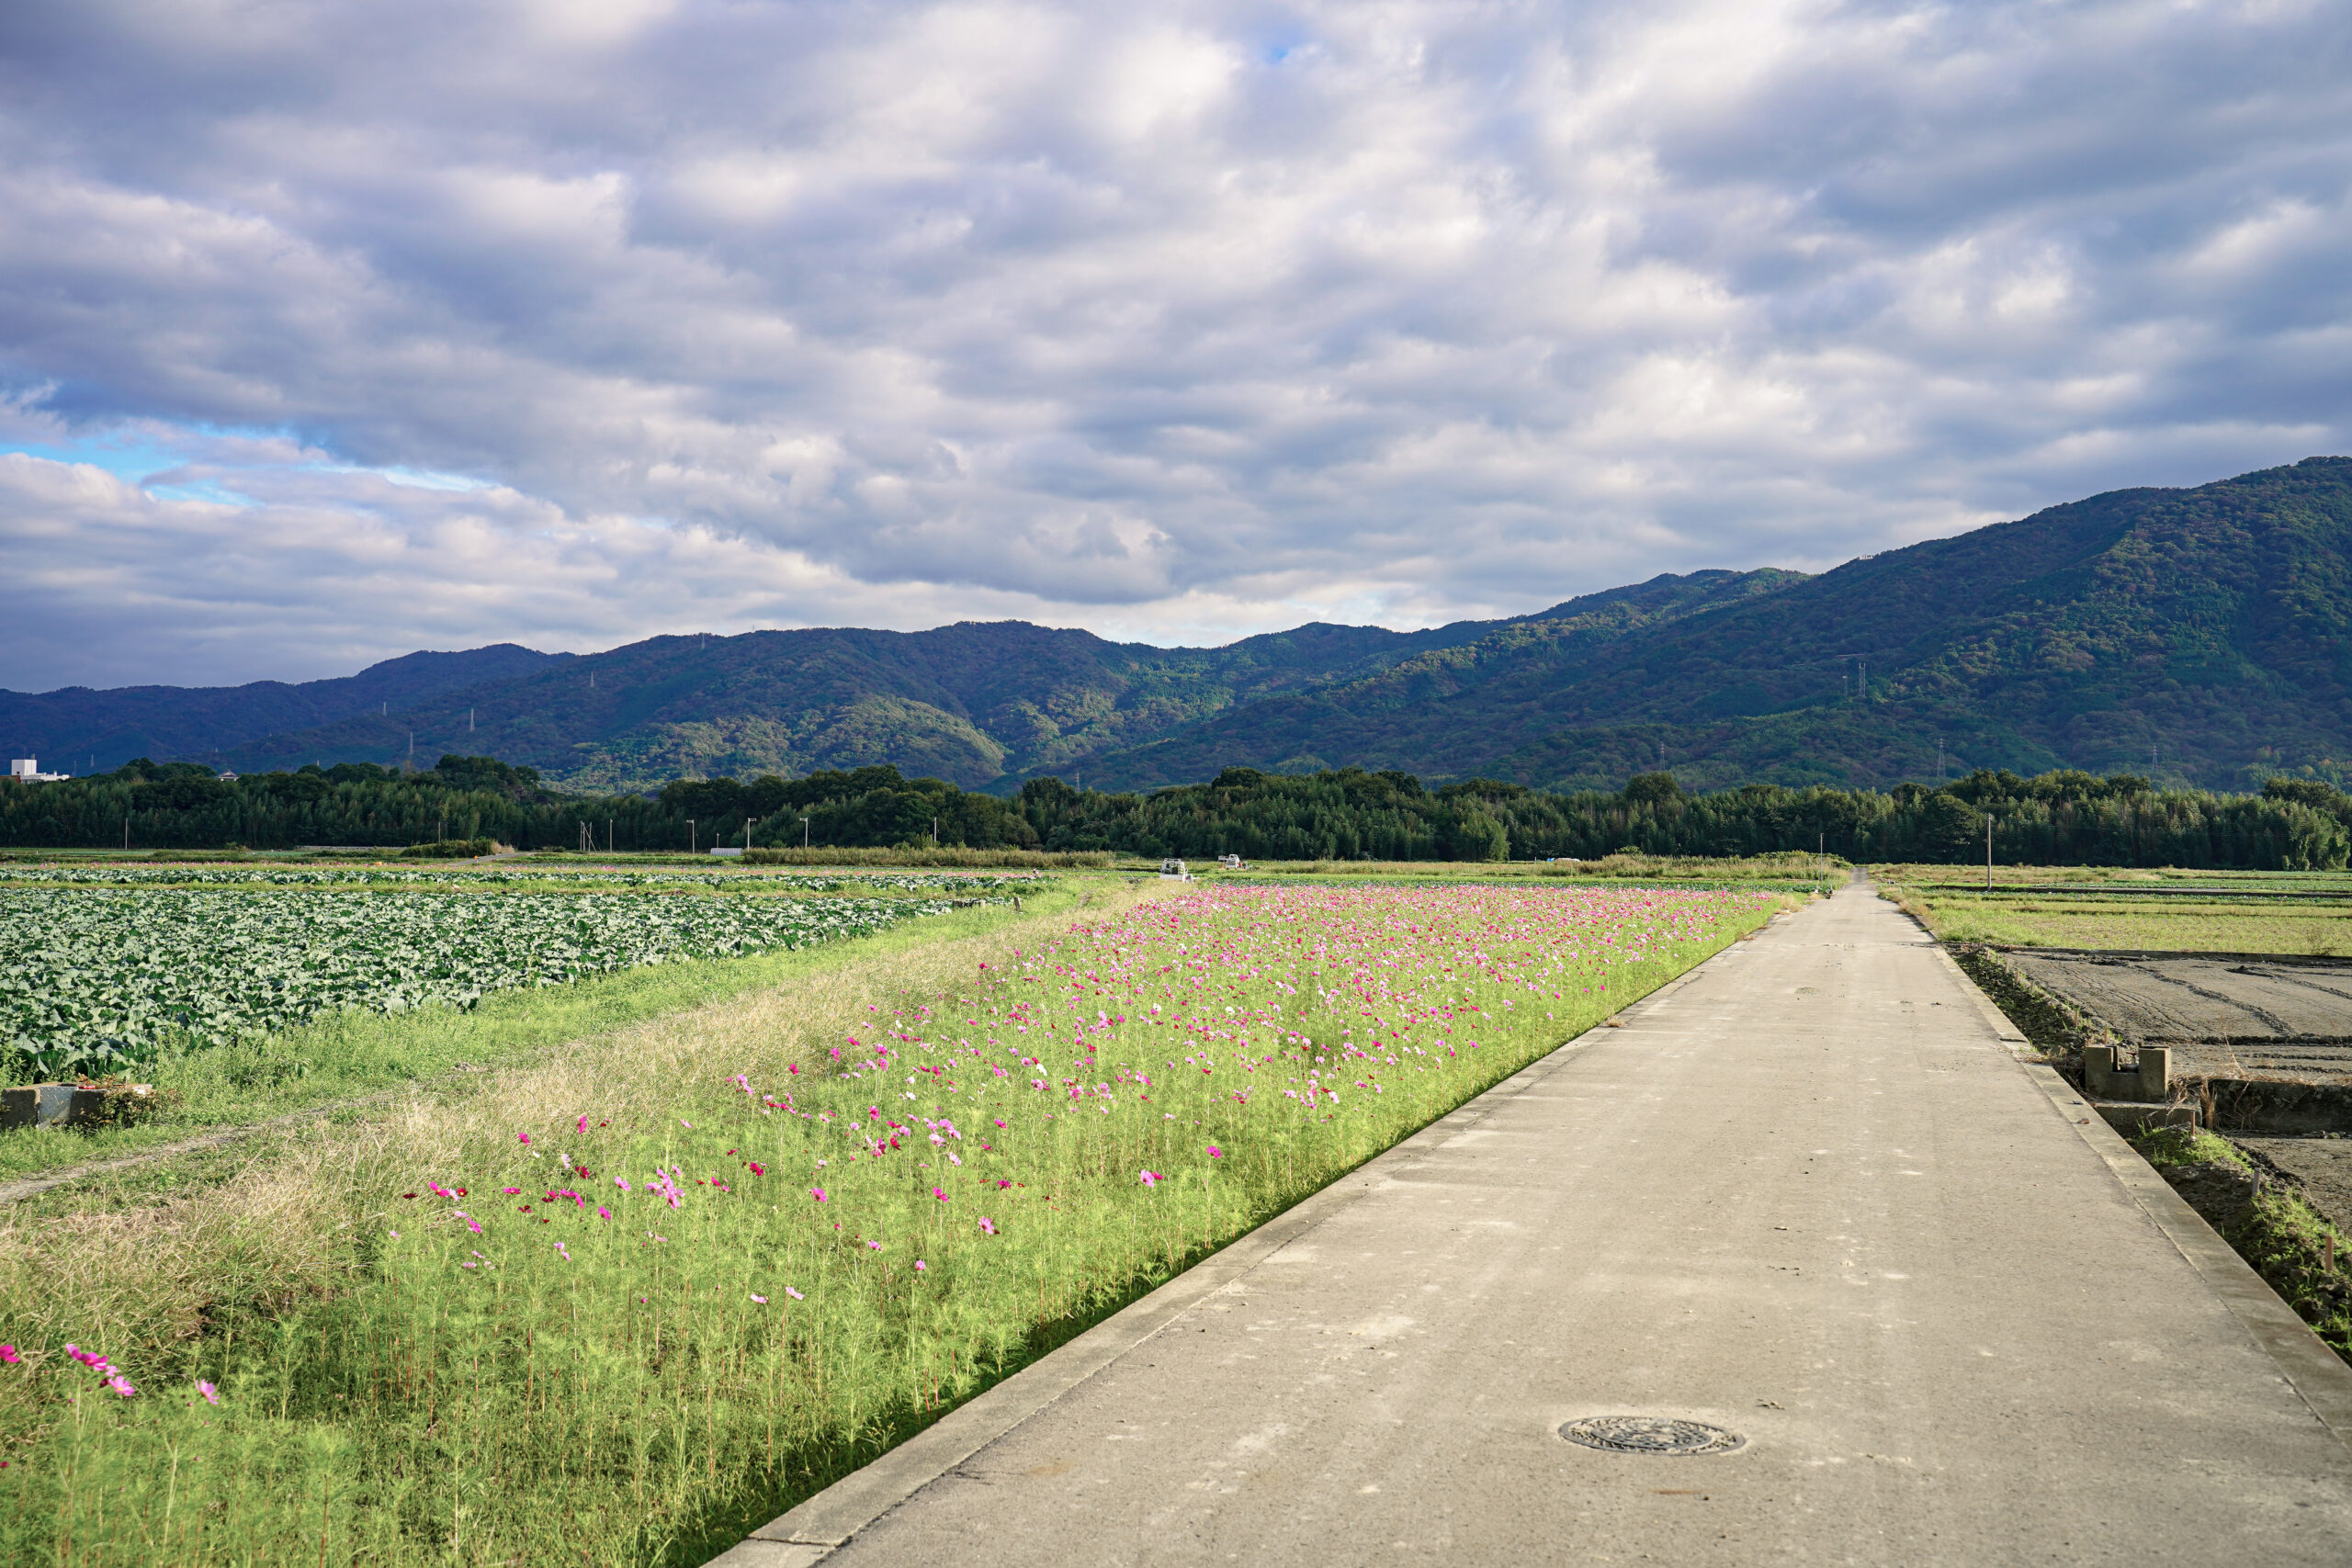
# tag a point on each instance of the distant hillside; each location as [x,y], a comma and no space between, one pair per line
[978,704]
[2206,633]
[2203,635]
[78,730]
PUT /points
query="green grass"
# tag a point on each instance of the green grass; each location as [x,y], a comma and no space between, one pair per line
[2285,1240]
[2100,912]
[1779,872]
[343,1056]
[432,1379]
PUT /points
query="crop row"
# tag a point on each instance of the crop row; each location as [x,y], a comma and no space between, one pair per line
[96,980]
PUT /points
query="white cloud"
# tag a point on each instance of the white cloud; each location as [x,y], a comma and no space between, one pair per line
[443,323]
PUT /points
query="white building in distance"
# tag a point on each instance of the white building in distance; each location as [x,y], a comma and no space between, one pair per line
[26,770]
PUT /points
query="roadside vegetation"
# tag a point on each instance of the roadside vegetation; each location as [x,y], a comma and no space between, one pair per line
[2290,1245]
[617,1303]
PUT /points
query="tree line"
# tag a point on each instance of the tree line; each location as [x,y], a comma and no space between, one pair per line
[2058,818]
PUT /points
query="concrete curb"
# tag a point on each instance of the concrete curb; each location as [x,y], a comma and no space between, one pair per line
[2315,1371]
[806,1534]
[2319,1377]
[1998,1022]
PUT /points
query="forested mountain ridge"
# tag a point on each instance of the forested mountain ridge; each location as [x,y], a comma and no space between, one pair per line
[2203,636]
[977,704]
[76,727]
[2204,632]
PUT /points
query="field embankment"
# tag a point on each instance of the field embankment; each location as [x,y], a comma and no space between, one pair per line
[2164,910]
[246,992]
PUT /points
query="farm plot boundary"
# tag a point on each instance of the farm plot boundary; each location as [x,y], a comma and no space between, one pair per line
[344,1056]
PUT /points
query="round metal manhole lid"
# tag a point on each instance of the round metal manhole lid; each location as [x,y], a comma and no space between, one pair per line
[1650,1435]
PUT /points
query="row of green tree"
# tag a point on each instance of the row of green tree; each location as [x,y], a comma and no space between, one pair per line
[2058,818]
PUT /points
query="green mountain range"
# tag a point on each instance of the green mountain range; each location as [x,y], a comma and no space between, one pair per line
[2203,635]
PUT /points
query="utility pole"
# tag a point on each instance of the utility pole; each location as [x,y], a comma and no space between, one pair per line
[691,848]
[1988,852]
[469,721]
[747,823]
[935,832]
[804,832]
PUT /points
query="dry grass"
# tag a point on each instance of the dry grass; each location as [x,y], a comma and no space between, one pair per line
[151,1278]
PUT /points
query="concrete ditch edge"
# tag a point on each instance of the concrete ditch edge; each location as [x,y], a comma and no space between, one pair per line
[2317,1374]
[806,1533]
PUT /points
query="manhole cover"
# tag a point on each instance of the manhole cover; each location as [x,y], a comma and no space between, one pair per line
[1650,1435]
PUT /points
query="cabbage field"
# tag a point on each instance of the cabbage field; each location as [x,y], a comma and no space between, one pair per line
[97,979]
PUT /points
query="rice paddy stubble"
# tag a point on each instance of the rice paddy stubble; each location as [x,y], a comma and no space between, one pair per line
[622,1340]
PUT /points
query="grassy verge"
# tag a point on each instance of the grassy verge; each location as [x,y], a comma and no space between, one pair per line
[649,1290]
[345,1055]
[1782,871]
[2286,1242]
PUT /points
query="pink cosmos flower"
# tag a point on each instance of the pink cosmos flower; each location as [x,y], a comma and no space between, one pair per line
[621,1182]
[757,1169]
[919,1265]
[583,1123]
[603,1212]
[818,1193]
[121,1386]
[762,1299]
[874,1246]
[1152,1178]
[939,1194]
[211,1395]
[522,1138]
[510,1191]
[988,1226]
[8,1356]
[564,1250]
[1216,1153]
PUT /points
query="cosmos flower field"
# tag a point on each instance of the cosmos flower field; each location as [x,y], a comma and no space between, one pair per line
[626,1339]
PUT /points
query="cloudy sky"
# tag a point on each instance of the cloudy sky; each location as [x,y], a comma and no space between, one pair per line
[330,329]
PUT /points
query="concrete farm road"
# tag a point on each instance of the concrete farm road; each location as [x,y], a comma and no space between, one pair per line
[1807,1196]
